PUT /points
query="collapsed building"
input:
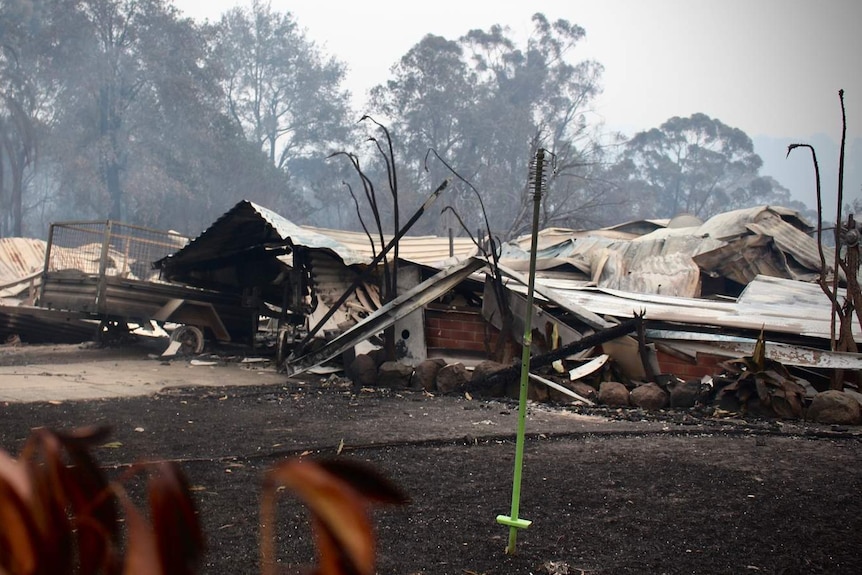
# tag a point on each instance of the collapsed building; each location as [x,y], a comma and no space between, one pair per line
[706,291]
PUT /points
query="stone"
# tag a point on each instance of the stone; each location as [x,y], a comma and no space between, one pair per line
[378,355]
[394,375]
[613,394]
[538,392]
[452,378]
[585,390]
[557,396]
[499,388]
[425,376]
[363,371]
[835,407]
[649,396]
[685,393]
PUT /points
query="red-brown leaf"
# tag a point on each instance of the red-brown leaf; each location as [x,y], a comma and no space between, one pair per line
[142,549]
[178,532]
[344,532]
[369,482]
[84,487]
[19,539]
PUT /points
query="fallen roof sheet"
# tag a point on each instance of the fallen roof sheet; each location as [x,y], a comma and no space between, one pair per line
[39,325]
[248,225]
[426,250]
[737,245]
[21,264]
[777,305]
[731,346]
[581,312]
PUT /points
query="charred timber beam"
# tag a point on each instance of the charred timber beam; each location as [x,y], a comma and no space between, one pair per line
[511,373]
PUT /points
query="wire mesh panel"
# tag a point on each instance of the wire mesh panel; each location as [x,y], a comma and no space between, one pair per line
[109,249]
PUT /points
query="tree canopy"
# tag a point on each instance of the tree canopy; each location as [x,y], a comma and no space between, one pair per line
[486,106]
[125,109]
[696,165]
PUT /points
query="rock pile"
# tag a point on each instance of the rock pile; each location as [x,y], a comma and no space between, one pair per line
[438,376]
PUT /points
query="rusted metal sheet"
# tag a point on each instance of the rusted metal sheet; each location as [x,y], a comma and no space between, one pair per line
[426,250]
[20,257]
[21,262]
[795,355]
[775,314]
[38,325]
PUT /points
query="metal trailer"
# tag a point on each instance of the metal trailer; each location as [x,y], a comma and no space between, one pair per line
[104,270]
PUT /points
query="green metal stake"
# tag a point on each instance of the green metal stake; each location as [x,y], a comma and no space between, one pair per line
[512,520]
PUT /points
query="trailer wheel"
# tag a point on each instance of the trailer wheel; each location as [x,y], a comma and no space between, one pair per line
[190,338]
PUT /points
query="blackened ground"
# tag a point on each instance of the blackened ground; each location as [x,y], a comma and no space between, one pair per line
[608,492]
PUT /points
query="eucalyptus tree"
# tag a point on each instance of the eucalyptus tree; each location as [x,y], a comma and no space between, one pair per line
[697,165]
[139,133]
[487,105]
[28,48]
[284,94]
[119,104]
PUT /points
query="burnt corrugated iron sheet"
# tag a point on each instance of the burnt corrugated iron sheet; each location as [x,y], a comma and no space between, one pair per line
[733,224]
[737,245]
[38,325]
[780,306]
[21,262]
[426,250]
[773,247]
[246,226]
[331,279]
[20,257]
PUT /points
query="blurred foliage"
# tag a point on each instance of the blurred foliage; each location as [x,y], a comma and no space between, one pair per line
[59,514]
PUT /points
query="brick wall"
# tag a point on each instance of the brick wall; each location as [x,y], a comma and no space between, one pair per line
[460,329]
[705,364]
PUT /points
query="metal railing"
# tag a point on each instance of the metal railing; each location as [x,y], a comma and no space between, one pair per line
[109,248]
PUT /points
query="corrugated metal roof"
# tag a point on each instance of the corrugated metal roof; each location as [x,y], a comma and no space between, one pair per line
[670,260]
[427,250]
[248,224]
[38,325]
[20,258]
[245,226]
[793,255]
[779,306]
[730,225]
[301,236]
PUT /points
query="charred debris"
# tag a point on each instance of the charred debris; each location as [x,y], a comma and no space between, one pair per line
[745,311]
